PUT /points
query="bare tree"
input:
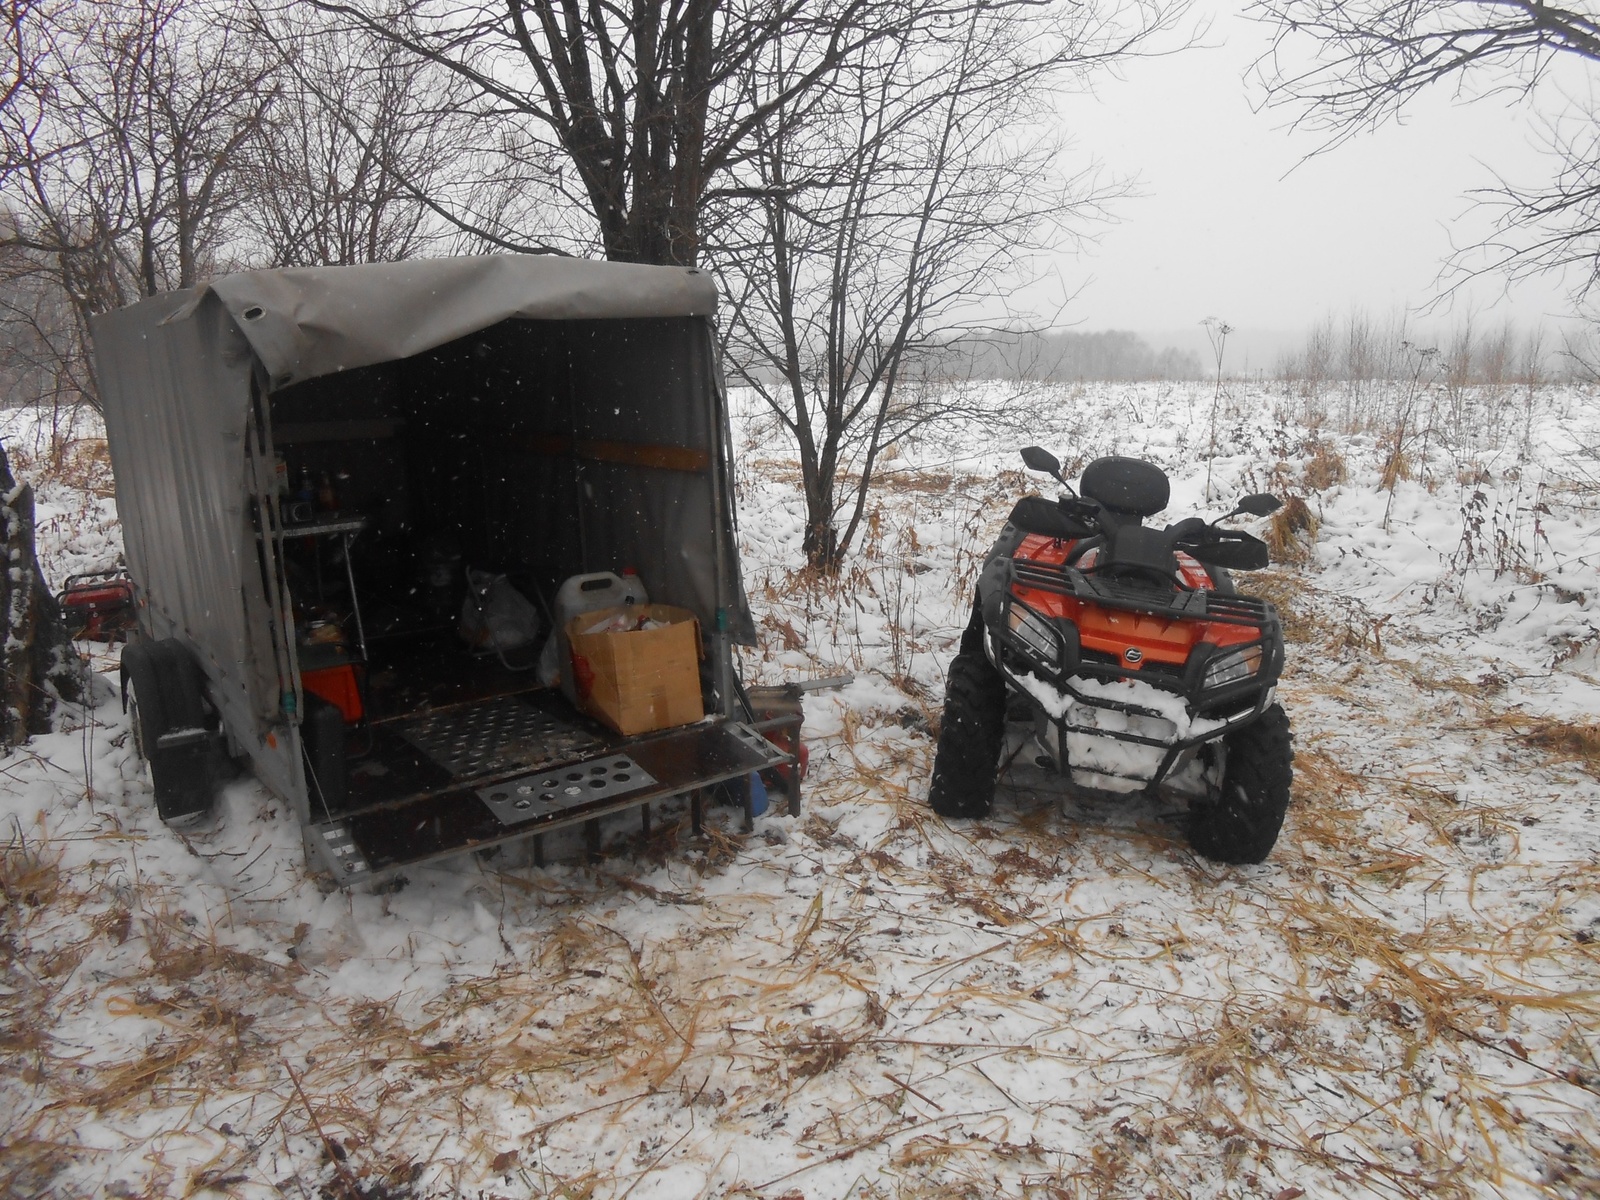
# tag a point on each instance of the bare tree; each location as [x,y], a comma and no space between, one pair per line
[120,144]
[363,139]
[1496,359]
[1217,331]
[880,221]
[642,103]
[1350,66]
[120,126]
[17,52]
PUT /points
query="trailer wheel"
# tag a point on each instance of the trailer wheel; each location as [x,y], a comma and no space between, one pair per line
[162,695]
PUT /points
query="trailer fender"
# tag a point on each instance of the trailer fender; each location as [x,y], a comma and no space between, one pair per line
[163,692]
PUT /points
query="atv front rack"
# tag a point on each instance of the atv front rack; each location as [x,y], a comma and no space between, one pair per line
[1198,604]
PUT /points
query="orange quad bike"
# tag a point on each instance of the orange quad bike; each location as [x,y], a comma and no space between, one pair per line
[1120,656]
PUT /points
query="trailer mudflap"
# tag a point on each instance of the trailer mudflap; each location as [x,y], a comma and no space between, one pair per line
[366,847]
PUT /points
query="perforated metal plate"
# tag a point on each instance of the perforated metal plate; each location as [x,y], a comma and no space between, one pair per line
[340,854]
[553,791]
[756,742]
[497,735]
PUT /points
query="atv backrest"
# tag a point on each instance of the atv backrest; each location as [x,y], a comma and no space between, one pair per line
[1127,486]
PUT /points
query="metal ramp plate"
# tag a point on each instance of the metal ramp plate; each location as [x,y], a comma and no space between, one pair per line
[672,762]
[339,853]
[757,744]
[496,736]
[553,791]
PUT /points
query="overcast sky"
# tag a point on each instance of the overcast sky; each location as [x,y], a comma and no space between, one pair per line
[1234,223]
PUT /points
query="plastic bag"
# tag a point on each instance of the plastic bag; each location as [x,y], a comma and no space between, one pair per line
[625,622]
[495,616]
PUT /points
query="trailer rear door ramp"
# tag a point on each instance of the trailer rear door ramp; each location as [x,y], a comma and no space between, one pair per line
[367,847]
[518,801]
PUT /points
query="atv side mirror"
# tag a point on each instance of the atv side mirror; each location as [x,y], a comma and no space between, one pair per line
[1040,459]
[1261,504]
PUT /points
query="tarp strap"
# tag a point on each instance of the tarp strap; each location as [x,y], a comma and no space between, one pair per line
[632,454]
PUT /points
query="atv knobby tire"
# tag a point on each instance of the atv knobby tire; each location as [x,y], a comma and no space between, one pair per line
[968,755]
[1241,825]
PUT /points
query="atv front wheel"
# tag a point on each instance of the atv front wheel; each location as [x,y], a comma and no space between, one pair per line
[968,756]
[1241,825]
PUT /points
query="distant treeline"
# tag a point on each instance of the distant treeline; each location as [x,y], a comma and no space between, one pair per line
[1114,355]
[1352,348]
[1358,347]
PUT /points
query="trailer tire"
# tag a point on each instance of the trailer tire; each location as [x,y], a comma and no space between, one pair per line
[967,759]
[1241,825]
[162,693]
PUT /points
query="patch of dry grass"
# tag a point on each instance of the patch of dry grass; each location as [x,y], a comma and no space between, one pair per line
[1574,741]
[1325,467]
[1287,592]
[29,1163]
[80,463]
[1292,532]
[30,878]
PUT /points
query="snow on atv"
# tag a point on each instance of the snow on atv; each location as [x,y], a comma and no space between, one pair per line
[1125,660]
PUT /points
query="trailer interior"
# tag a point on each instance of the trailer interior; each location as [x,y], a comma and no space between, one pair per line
[536,450]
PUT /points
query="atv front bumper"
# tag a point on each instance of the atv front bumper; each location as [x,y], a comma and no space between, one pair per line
[1111,745]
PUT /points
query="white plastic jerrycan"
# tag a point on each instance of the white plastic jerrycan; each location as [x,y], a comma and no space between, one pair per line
[578,595]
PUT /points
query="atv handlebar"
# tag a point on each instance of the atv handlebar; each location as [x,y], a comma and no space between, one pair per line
[1202,540]
[1230,548]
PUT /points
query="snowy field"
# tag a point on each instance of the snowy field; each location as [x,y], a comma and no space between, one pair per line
[864,1002]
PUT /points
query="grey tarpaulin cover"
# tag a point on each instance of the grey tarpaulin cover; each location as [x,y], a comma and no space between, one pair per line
[176,375]
[303,322]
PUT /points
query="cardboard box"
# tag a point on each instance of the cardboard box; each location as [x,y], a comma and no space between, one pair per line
[641,680]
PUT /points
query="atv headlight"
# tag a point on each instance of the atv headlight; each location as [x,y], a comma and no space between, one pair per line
[1036,635]
[1233,666]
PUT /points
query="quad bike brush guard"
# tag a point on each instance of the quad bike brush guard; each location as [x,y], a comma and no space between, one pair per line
[1121,657]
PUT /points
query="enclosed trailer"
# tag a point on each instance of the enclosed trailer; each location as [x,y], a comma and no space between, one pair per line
[307,461]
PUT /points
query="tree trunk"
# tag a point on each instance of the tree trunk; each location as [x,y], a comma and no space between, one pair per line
[38,667]
[821,542]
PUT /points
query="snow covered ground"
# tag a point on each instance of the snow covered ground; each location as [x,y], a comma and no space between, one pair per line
[863,1002]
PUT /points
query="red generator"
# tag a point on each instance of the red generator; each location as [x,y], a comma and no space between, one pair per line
[98,607]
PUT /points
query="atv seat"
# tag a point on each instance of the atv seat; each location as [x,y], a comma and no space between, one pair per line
[1035,514]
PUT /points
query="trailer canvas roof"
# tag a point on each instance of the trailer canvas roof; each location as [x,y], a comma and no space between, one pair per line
[303,322]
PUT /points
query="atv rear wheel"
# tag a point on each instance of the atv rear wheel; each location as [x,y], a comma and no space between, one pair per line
[1241,825]
[968,756]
